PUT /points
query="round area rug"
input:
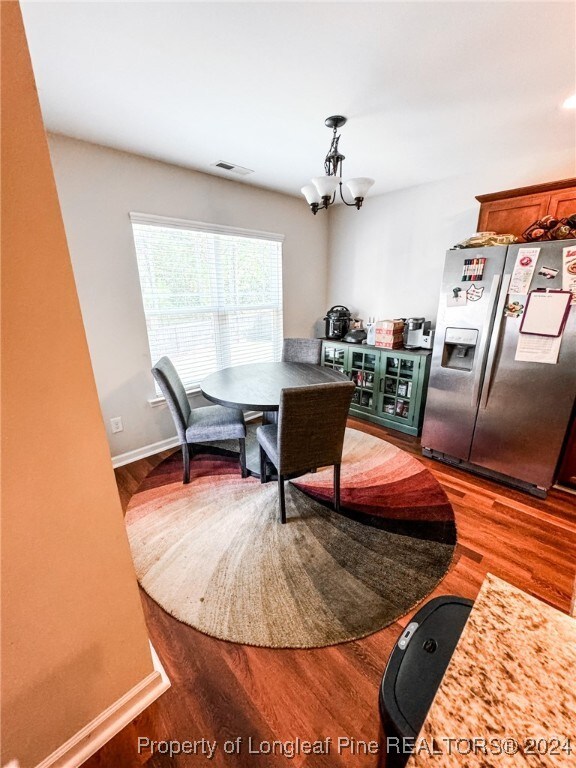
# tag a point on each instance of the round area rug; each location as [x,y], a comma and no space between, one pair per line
[215,555]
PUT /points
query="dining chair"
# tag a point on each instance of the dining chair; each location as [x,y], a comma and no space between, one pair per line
[302,351]
[309,434]
[198,425]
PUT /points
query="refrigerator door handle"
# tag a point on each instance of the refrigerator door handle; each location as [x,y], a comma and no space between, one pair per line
[494,341]
[484,343]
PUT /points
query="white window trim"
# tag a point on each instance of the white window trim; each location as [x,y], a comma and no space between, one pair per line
[137,217]
[202,226]
[154,402]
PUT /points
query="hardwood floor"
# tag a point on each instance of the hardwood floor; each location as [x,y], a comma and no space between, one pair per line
[222,691]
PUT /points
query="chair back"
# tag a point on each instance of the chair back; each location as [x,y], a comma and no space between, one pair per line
[311,424]
[175,394]
[302,351]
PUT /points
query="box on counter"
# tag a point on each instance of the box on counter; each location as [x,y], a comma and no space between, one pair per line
[396,326]
[389,334]
[390,344]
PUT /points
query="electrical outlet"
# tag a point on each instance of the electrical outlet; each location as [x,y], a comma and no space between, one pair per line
[116,424]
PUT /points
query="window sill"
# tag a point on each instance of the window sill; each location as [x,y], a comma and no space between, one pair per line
[154,402]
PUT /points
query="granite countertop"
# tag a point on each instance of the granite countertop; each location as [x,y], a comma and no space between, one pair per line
[512,677]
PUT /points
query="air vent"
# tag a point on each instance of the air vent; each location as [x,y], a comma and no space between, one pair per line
[238,169]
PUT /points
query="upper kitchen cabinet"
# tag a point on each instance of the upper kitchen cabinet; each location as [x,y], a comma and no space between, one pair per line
[513,210]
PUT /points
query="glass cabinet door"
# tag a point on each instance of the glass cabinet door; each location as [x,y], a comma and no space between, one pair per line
[334,357]
[363,360]
[389,384]
[406,368]
[397,387]
[363,374]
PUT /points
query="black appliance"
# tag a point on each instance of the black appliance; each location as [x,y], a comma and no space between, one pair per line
[337,322]
[356,336]
[415,670]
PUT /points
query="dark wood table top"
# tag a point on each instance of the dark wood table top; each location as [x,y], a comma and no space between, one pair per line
[257,386]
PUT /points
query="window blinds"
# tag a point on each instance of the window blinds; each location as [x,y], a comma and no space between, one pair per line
[212,295]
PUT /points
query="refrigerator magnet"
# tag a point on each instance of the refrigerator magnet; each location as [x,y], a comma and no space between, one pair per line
[548,272]
[457,298]
[475,292]
[546,313]
[473,269]
[513,309]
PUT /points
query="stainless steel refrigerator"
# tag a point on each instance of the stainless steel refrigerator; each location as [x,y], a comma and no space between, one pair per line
[486,411]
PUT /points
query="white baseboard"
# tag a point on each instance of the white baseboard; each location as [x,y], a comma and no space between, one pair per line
[142,453]
[110,722]
[162,445]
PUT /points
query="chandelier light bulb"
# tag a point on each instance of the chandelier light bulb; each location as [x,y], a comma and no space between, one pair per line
[326,185]
[570,102]
[359,187]
[311,194]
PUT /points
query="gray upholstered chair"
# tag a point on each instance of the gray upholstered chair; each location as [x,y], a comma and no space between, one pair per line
[198,425]
[309,434]
[302,351]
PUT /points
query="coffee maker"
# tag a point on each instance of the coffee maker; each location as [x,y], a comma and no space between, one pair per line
[418,334]
[337,322]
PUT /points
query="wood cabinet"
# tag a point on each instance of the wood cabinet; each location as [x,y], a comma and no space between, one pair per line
[567,468]
[390,384]
[513,210]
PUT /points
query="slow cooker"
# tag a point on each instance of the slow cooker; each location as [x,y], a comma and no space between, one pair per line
[337,322]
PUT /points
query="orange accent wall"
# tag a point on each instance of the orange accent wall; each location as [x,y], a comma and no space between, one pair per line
[73,633]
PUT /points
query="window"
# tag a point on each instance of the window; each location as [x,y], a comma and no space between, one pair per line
[212,295]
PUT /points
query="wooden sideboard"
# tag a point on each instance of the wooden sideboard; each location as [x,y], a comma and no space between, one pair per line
[513,210]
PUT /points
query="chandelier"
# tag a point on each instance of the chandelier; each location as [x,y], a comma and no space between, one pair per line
[322,191]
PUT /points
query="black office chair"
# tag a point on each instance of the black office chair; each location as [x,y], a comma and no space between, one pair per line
[198,425]
[309,434]
[302,351]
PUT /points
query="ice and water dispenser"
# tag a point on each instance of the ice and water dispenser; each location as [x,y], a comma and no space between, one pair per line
[459,348]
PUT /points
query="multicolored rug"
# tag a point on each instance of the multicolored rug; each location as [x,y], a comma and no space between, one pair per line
[214,554]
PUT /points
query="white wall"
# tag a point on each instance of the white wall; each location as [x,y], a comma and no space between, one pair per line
[386,260]
[97,188]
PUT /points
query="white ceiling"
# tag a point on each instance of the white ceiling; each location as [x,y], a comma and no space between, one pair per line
[431,89]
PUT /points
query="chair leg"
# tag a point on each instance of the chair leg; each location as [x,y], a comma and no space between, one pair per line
[186,460]
[282,499]
[242,442]
[263,476]
[337,487]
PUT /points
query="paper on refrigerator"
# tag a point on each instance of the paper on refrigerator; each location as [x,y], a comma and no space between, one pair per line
[523,270]
[569,271]
[538,349]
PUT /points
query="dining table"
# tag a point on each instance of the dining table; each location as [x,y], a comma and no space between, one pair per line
[257,387]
